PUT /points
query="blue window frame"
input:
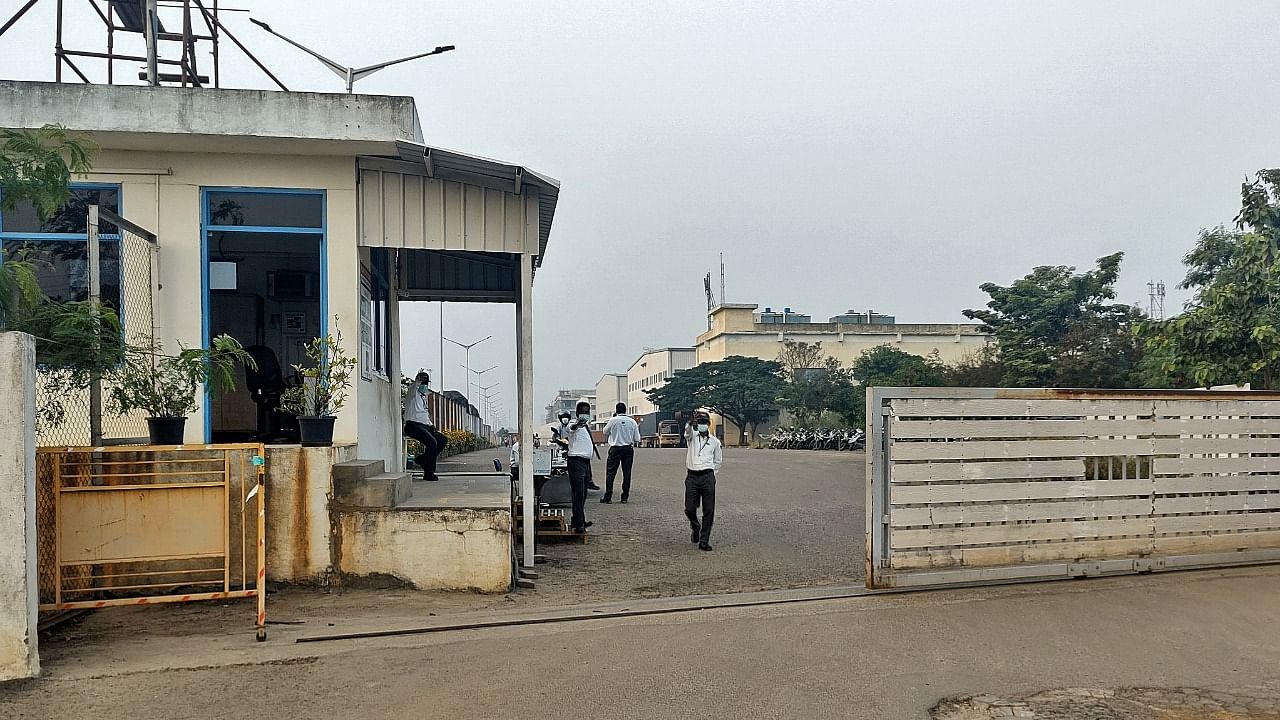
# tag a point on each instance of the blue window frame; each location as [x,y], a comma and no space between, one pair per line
[58,246]
[234,210]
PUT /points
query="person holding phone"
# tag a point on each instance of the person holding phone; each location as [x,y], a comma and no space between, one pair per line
[579,446]
[418,425]
[703,459]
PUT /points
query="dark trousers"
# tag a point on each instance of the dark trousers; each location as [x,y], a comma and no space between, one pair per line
[619,455]
[433,442]
[700,488]
[579,476]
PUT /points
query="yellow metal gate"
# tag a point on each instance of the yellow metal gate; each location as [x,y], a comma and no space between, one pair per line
[136,525]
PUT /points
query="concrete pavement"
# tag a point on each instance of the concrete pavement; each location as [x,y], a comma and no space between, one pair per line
[864,657]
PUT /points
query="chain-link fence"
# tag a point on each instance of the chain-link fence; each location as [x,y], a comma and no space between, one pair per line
[123,258]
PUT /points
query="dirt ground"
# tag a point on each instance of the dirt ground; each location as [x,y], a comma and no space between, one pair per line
[784,519]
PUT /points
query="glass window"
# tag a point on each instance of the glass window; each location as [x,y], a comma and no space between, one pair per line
[62,263]
[375,332]
[63,268]
[72,217]
[258,209]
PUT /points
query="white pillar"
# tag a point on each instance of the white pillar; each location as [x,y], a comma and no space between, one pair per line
[19,593]
[524,382]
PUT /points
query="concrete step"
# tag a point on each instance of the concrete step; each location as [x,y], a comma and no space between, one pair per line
[358,469]
[384,490]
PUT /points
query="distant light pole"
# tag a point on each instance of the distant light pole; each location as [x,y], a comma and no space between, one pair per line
[483,392]
[466,347]
[478,373]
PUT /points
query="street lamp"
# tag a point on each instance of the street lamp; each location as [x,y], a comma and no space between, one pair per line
[483,392]
[466,347]
[350,74]
[477,373]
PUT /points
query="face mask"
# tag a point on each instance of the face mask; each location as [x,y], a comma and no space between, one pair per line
[422,390]
[583,418]
[564,421]
[703,427]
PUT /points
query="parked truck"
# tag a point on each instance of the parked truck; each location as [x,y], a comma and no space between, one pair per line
[659,429]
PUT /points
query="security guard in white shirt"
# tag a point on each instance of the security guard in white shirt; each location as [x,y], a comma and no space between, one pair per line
[703,459]
[579,446]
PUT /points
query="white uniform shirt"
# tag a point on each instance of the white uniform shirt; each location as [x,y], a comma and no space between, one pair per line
[579,439]
[415,407]
[515,454]
[622,430]
[705,453]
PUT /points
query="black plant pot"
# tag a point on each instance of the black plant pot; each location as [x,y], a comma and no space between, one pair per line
[166,430]
[316,431]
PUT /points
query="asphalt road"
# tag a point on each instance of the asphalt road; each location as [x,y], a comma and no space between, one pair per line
[867,657]
[784,519]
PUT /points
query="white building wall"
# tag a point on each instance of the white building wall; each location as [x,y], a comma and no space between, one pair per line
[169,205]
[652,370]
[611,390]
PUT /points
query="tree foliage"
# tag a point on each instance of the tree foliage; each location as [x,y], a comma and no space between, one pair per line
[36,166]
[796,356]
[1229,332]
[743,389]
[1058,328]
[887,366]
[981,368]
[813,393]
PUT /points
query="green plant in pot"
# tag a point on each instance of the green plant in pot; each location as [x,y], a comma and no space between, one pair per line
[323,391]
[164,386]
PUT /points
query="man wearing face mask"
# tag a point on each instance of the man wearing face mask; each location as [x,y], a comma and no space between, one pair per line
[418,425]
[576,438]
[702,459]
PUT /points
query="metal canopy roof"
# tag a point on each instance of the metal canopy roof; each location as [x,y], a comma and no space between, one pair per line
[494,174]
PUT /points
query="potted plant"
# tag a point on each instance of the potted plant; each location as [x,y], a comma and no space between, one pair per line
[323,391]
[164,386]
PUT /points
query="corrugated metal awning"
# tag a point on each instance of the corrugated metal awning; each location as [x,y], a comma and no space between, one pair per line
[459,201]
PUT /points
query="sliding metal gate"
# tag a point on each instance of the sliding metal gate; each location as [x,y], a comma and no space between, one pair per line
[983,485]
[146,524]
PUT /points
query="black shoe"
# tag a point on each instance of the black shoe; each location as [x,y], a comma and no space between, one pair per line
[693,537]
[433,478]
[606,500]
[624,499]
[579,531]
[705,547]
[593,486]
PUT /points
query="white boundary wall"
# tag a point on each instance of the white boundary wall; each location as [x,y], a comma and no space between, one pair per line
[19,597]
[982,485]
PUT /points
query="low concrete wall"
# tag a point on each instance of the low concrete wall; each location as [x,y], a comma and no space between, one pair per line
[429,549]
[299,524]
[19,597]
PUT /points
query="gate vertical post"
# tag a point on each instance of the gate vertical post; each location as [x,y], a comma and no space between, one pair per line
[19,574]
[95,297]
[877,486]
[524,359]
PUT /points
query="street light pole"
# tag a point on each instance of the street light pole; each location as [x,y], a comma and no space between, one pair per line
[483,392]
[477,373]
[466,347]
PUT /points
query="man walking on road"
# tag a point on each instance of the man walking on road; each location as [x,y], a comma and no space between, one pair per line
[623,434]
[576,438]
[703,459]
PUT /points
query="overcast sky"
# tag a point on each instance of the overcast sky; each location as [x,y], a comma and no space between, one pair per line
[881,155]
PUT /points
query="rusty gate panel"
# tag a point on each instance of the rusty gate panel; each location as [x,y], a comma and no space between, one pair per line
[133,525]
